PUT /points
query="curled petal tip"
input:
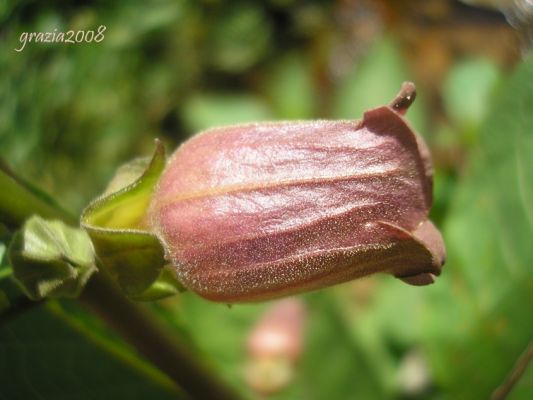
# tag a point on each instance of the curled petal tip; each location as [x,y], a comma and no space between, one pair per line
[404,98]
[419,279]
[430,236]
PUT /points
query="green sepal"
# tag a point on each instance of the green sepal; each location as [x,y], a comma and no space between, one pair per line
[51,259]
[127,251]
[165,285]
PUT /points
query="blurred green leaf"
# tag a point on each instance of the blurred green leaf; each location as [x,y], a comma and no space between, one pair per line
[375,81]
[390,314]
[290,88]
[239,37]
[205,111]
[468,93]
[227,349]
[481,311]
[335,366]
[48,354]
[19,200]
[51,259]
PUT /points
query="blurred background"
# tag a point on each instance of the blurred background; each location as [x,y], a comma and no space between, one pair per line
[70,114]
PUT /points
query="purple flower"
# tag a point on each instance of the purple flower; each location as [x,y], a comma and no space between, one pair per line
[264,210]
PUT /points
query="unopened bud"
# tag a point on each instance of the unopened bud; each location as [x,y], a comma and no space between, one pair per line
[275,345]
[264,210]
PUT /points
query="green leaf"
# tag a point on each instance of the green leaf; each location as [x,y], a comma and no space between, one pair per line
[51,259]
[131,255]
[49,353]
[481,315]
[345,368]
[290,89]
[206,110]
[374,82]
[468,92]
[239,37]
[19,200]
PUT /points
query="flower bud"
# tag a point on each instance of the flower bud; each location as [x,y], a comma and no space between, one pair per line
[274,346]
[279,332]
[264,210]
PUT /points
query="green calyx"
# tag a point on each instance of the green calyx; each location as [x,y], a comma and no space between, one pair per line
[127,251]
[51,259]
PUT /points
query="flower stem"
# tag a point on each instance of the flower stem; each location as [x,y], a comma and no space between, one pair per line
[147,334]
[516,373]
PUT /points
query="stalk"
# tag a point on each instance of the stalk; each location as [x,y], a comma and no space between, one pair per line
[151,338]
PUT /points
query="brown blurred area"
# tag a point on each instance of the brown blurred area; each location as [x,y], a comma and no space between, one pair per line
[433,34]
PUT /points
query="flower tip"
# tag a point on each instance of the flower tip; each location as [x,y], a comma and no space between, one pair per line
[420,279]
[404,98]
[430,237]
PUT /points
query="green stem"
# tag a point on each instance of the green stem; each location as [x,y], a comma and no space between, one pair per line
[154,341]
[516,373]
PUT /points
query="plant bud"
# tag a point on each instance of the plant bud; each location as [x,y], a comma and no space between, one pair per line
[264,210]
[275,345]
[279,332]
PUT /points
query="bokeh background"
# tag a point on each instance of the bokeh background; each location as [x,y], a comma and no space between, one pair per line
[70,114]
